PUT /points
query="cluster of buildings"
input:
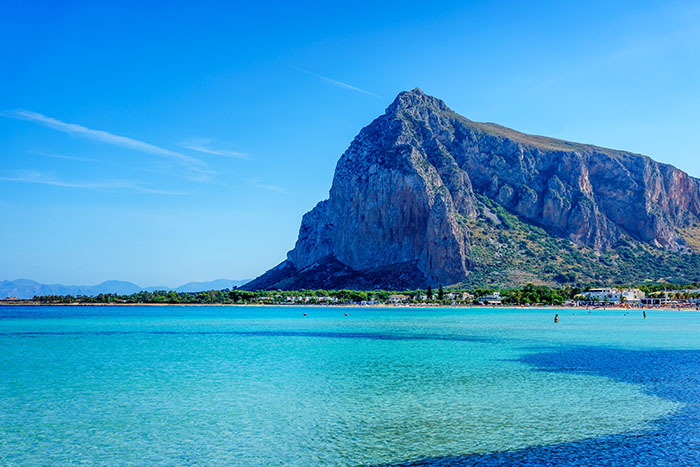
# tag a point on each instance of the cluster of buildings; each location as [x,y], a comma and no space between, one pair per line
[454,297]
[604,296]
[312,299]
[678,297]
[614,296]
[295,299]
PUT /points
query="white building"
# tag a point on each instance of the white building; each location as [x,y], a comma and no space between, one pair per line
[369,302]
[661,298]
[493,299]
[632,296]
[612,295]
[602,295]
[397,298]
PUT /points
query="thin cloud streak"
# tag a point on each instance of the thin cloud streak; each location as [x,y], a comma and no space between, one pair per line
[110,185]
[198,168]
[266,186]
[204,146]
[61,156]
[339,84]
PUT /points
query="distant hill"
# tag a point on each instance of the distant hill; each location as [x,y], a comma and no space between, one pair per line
[218,284]
[26,288]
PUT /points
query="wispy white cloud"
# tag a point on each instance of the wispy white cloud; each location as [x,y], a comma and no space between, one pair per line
[265,186]
[62,156]
[197,168]
[337,83]
[204,145]
[108,185]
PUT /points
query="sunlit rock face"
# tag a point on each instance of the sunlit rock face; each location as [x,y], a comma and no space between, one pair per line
[405,191]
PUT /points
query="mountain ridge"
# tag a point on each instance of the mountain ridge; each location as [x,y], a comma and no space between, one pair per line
[27,288]
[417,184]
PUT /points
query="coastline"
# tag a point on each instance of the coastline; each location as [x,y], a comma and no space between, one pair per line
[352,305]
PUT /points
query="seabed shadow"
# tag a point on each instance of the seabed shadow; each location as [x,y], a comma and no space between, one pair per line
[671,441]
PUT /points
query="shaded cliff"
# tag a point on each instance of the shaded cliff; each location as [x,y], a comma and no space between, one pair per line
[419,188]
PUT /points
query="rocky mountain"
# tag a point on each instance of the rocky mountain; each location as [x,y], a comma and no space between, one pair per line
[426,196]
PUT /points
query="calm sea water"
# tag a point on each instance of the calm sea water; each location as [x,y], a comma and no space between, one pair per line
[270,386]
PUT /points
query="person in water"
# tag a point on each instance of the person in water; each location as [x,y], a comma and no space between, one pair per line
[556,318]
[645,314]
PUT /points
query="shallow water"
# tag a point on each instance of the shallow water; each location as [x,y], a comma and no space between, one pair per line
[260,386]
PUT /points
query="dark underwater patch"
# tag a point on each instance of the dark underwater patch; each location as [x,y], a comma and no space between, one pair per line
[671,441]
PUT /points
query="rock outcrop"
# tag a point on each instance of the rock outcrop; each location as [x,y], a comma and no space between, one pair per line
[407,189]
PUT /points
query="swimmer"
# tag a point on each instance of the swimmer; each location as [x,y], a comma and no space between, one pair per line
[556,318]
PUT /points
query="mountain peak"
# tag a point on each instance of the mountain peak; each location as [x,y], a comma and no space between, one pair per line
[416,99]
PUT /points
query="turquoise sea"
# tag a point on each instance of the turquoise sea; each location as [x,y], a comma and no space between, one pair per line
[381,386]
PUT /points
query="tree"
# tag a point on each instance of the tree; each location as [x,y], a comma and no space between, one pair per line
[441,293]
[173,297]
[430,293]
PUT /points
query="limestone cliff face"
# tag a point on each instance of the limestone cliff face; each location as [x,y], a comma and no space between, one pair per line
[588,194]
[395,199]
[403,195]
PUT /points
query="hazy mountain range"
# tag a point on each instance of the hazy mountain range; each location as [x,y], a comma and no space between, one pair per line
[426,196]
[25,288]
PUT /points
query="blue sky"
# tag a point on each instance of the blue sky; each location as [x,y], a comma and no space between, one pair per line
[164,142]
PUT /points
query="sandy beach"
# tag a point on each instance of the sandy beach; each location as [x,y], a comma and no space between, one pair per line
[352,305]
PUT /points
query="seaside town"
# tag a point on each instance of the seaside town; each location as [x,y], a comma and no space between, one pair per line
[530,295]
[595,297]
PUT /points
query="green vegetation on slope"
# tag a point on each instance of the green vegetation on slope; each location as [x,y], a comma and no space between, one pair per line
[507,251]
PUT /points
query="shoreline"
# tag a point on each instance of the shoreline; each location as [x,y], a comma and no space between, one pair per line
[352,305]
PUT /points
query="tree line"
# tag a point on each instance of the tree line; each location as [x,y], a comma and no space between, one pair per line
[527,295]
